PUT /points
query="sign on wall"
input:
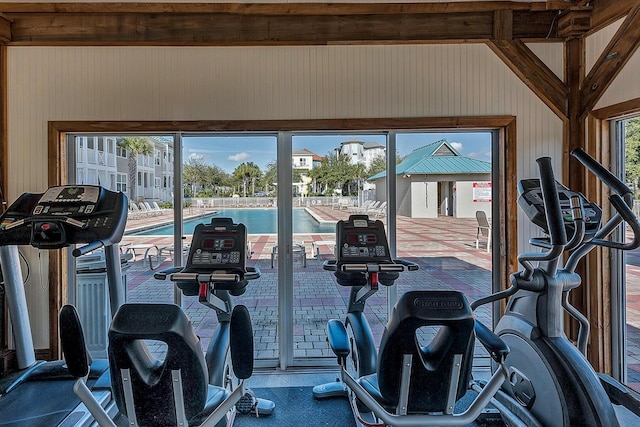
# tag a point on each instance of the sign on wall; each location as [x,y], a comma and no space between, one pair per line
[482,192]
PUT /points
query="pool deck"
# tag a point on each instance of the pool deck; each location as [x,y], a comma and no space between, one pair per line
[443,247]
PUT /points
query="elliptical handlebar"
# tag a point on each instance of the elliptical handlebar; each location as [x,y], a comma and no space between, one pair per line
[555,222]
[609,179]
[625,214]
[557,232]
[621,200]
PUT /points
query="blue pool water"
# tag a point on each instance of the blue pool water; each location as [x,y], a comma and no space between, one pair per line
[258,221]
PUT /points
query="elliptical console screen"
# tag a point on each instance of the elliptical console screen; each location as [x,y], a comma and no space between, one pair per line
[361,240]
[219,245]
[532,204]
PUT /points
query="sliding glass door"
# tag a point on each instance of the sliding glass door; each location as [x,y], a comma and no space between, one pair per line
[290,189]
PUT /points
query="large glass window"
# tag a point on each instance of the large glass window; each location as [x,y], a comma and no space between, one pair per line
[331,185]
[626,289]
[429,213]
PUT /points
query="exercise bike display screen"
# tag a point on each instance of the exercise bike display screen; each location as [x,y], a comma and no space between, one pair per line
[220,244]
[361,240]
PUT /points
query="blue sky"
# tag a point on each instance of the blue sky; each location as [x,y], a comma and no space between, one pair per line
[229,151]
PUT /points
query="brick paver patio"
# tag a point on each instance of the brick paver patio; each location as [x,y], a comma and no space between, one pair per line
[443,247]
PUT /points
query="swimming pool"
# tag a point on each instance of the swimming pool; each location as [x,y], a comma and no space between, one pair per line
[258,221]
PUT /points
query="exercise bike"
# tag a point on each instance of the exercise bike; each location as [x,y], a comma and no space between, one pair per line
[549,378]
[404,383]
[215,272]
[178,390]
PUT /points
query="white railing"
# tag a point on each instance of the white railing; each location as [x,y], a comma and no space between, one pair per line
[265,202]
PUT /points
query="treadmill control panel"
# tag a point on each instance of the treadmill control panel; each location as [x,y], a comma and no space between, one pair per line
[361,240]
[65,215]
[532,204]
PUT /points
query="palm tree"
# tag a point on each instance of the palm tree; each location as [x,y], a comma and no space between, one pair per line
[134,145]
[246,172]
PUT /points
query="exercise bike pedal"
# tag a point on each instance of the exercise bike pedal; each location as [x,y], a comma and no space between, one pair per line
[250,404]
[334,389]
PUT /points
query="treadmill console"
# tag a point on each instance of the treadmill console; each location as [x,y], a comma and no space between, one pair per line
[65,215]
[220,245]
[361,240]
[532,204]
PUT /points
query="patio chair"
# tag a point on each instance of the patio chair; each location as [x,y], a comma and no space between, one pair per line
[380,211]
[362,209]
[134,211]
[298,250]
[484,230]
[164,253]
[146,247]
[372,208]
[144,210]
[153,211]
[316,248]
[157,208]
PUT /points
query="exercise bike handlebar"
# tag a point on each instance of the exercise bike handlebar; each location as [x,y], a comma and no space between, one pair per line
[176,274]
[397,265]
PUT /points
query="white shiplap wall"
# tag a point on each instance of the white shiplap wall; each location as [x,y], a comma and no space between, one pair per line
[219,83]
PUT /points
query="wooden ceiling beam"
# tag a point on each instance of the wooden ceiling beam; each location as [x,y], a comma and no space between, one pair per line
[5,29]
[606,12]
[90,29]
[281,8]
[613,58]
[534,73]
[503,24]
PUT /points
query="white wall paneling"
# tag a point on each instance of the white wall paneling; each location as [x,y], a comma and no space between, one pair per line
[243,83]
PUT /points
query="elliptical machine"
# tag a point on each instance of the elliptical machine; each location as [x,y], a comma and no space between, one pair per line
[404,383]
[549,378]
[60,217]
[215,272]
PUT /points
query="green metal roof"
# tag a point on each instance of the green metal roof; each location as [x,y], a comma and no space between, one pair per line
[438,158]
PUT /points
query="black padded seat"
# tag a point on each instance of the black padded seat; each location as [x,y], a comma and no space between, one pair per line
[151,378]
[433,364]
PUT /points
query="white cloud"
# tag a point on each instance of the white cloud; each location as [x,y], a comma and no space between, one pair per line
[457,146]
[239,157]
[196,156]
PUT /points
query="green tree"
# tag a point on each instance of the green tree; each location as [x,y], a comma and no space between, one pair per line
[632,151]
[134,145]
[202,179]
[247,173]
[378,165]
[335,171]
[194,173]
[270,177]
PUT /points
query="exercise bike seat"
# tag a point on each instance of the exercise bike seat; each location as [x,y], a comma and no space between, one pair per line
[150,378]
[434,367]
